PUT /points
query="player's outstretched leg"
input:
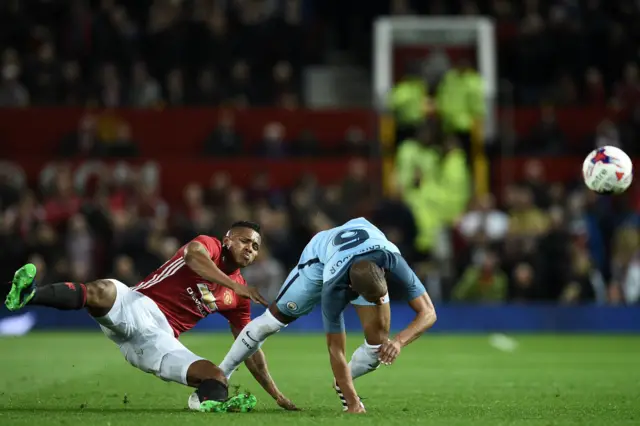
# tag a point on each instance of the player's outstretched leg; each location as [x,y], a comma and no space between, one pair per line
[212,390]
[97,296]
[251,338]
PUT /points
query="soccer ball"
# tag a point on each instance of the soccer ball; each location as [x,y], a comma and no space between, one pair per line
[607,170]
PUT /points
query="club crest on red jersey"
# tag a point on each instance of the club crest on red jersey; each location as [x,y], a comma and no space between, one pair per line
[228,298]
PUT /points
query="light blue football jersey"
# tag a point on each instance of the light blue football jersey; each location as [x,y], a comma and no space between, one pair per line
[322,272]
[402,282]
[335,247]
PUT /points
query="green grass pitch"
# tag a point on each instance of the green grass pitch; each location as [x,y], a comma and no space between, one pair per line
[81,379]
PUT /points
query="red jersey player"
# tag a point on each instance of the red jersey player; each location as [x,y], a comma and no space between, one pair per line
[145,321]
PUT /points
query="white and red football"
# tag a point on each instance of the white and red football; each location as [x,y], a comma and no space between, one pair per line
[607,170]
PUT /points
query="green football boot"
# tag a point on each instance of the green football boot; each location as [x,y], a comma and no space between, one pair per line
[236,404]
[22,287]
[213,406]
[242,403]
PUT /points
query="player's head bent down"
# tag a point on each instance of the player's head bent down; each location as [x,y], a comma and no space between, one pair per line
[242,243]
[367,279]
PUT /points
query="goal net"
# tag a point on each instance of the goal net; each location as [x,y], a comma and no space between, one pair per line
[436,42]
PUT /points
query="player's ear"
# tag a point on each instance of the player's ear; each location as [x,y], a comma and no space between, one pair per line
[226,241]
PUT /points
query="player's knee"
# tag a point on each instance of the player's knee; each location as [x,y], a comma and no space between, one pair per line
[101,294]
[279,315]
[203,370]
[265,325]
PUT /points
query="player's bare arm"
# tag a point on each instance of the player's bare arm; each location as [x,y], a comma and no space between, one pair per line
[257,366]
[424,319]
[196,257]
[336,343]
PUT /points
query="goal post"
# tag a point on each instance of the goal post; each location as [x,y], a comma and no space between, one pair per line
[399,40]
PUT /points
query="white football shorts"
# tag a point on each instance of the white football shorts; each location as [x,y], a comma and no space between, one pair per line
[144,336]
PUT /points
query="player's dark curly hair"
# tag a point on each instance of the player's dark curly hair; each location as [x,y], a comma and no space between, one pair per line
[246,224]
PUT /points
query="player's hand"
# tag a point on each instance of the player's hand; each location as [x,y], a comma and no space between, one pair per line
[389,351]
[251,293]
[286,403]
[356,409]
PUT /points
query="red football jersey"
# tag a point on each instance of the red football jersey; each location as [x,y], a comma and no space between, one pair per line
[185,297]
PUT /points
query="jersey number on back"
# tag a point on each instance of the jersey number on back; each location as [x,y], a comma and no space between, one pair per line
[350,238]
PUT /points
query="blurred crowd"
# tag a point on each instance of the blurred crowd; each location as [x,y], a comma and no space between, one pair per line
[155,52]
[76,227]
[151,53]
[533,241]
[548,241]
[561,52]
[570,52]
[104,134]
[547,139]
[539,241]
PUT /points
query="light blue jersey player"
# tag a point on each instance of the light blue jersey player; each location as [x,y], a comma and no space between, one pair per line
[324,262]
[353,263]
